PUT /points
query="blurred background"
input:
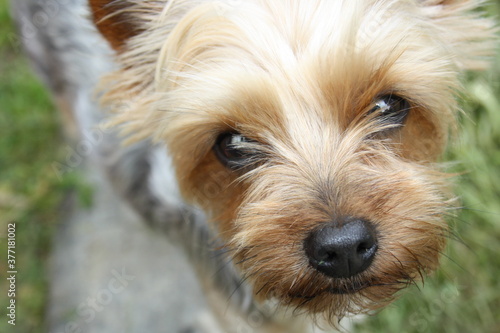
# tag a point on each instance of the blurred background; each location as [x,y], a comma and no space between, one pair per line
[463,296]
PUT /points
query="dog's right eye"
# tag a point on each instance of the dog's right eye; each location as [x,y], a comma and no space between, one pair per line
[231,151]
[391,109]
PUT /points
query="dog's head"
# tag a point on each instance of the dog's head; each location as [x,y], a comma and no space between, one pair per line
[306,130]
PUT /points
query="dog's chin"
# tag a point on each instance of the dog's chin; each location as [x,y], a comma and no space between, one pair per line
[345,289]
[353,289]
[336,303]
[333,299]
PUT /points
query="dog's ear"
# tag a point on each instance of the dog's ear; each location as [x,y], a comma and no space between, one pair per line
[470,37]
[114,21]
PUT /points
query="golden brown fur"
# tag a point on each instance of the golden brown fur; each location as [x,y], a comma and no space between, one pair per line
[298,78]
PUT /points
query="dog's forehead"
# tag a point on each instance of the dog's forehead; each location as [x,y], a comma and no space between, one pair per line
[286,70]
[327,92]
[315,63]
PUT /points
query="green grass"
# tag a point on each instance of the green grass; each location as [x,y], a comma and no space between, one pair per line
[30,192]
[463,296]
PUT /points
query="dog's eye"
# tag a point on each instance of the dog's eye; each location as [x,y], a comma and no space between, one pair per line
[231,151]
[391,109]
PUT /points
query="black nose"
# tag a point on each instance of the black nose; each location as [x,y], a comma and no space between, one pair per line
[342,250]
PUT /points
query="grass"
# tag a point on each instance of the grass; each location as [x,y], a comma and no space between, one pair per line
[463,296]
[29,190]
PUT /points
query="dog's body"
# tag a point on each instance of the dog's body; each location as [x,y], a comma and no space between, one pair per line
[305,133]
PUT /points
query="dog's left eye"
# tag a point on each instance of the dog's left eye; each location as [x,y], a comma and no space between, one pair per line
[231,151]
[391,109]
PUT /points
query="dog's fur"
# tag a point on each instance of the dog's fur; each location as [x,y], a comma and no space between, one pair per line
[299,79]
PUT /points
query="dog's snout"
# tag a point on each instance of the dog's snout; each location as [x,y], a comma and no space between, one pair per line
[342,250]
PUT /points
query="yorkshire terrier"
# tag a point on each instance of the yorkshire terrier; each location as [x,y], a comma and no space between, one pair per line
[307,132]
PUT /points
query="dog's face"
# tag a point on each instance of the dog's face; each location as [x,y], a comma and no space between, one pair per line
[308,132]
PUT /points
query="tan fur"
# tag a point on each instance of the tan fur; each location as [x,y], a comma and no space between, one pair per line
[299,78]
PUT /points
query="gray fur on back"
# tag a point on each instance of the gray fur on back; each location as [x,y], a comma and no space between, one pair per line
[70,57]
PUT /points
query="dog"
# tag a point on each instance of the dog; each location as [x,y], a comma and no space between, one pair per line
[299,140]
